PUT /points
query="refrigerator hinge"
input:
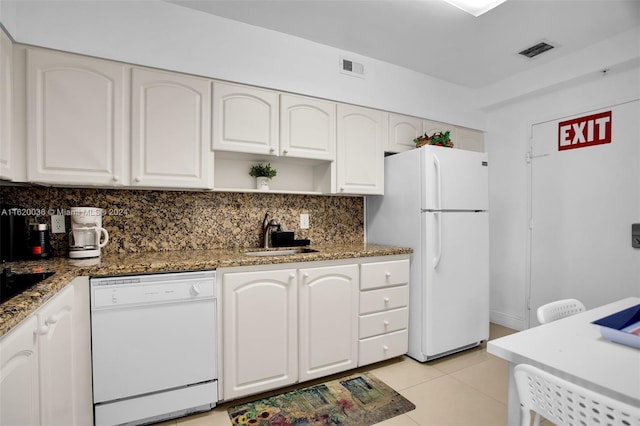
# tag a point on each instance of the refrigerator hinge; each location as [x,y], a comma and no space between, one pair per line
[527,157]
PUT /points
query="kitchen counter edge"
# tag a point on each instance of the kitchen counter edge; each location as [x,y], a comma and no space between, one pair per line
[16,309]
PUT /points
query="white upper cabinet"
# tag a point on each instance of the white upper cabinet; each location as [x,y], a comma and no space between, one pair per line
[170,130]
[6,99]
[470,140]
[75,107]
[307,128]
[245,119]
[403,129]
[362,138]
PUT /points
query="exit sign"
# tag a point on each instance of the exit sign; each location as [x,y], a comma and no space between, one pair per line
[585,131]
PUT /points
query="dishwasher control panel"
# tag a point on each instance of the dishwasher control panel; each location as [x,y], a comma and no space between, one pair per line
[113,292]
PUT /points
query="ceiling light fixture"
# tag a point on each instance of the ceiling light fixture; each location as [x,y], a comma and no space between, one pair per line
[475,7]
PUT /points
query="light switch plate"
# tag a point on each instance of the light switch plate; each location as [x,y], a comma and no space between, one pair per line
[304,221]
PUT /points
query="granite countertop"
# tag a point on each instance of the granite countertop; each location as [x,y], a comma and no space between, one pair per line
[14,310]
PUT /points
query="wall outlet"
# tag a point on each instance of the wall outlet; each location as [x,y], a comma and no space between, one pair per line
[304,221]
[57,224]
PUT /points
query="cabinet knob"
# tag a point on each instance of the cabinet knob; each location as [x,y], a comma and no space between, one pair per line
[305,275]
[387,274]
[386,323]
[115,178]
[385,348]
[386,300]
[285,152]
[292,276]
[272,149]
[195,290]
[53,319]
[342,189]
[42,330]
[138,178]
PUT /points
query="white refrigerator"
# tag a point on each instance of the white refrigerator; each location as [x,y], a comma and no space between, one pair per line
[436,202]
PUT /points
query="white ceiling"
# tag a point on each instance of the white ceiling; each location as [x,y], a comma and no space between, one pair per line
[435,38]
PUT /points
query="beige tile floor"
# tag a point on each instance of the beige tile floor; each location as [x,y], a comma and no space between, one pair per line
[466,389]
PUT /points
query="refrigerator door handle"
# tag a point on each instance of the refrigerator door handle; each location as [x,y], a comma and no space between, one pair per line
[436,259]
[436,163]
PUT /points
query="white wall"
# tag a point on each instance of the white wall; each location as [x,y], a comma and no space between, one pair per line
[168,36]
[509,130]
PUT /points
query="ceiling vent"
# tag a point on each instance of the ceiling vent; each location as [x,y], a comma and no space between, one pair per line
[350,67]
[536,49]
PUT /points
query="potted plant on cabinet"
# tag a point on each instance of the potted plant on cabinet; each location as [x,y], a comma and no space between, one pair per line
[262,173]
[438,138]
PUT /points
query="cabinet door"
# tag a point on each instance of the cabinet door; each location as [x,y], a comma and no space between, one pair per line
[470,140]
[328,312]
[245,119]
[19,381]
[76,129]
[260,331]
[6,98]
[362,136]
[57,360]
[170,128]
[402,131]
[307,128]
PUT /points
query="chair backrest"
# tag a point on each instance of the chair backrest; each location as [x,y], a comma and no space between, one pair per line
[559,309]
[565,403]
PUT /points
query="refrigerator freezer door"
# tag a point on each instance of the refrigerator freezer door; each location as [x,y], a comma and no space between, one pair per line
[454,179]
[456,280]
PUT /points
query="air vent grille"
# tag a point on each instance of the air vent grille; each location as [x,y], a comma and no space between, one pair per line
[536,49]
[350,67]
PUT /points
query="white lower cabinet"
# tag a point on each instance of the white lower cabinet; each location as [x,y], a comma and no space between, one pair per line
[46,371]
[300,321]
[384,315]
[19,379]
[328,315]
[260,330]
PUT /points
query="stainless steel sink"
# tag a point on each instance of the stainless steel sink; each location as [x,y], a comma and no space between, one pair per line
[277,252]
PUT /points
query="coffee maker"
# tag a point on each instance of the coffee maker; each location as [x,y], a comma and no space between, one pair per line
[87,236]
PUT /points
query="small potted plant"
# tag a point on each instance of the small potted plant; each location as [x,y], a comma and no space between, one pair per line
[262,173]
[438,138]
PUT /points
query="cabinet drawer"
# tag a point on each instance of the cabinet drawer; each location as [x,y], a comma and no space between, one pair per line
[383,347]
[383,299]
[384,274]
[383,322]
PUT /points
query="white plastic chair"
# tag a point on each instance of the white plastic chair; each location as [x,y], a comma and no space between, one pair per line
[565,403]
[559,309]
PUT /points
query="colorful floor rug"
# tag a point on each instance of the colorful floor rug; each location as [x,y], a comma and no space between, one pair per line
[357,400]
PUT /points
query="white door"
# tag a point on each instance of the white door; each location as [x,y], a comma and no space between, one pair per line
[583,202]
[454,179]
[456,274]
[170,130]
[245,119]
[362,138]
[6,102]
[328,342]
[19,379]
[75,129]
[260,331]
[57,360]
[403,129]
[307,128]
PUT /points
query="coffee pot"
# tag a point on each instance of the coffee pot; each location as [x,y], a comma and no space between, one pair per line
[87,236]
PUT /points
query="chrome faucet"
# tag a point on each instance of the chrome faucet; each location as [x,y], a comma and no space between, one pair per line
[266,226]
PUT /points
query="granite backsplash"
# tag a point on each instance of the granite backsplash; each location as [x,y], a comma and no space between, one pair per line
[146,220]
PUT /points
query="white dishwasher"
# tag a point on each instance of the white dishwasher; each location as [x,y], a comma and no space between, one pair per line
[154,347]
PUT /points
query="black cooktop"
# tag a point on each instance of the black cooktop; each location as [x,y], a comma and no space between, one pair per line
[12,284]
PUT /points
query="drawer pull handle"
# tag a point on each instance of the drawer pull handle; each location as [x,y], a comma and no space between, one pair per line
[386,323]
[388,274]
[386,300]
[385,348]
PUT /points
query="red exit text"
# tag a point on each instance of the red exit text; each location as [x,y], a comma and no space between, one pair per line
[585,131]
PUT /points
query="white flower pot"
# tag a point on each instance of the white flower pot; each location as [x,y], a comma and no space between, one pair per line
[262,183]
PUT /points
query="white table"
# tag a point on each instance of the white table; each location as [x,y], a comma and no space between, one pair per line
[572,348]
